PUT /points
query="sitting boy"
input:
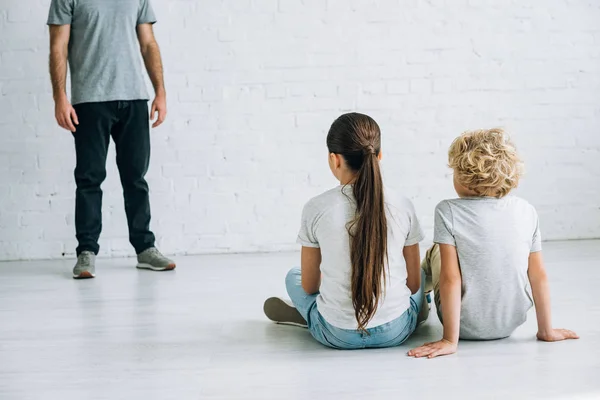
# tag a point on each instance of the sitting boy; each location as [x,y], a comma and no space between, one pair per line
[486,266]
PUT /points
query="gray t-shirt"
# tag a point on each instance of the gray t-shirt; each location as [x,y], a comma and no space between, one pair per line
[104,53]
[493,239]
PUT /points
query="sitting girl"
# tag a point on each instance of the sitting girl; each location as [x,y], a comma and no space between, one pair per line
[360,285]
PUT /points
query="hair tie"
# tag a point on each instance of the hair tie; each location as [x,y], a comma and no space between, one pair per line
[369,149]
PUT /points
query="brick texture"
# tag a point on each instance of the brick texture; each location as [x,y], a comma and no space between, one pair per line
[253,86]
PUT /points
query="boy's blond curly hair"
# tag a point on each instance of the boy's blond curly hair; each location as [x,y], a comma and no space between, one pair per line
[486,162]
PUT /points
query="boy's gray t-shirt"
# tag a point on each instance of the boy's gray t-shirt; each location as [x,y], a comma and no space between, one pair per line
[104,53]
[493,239]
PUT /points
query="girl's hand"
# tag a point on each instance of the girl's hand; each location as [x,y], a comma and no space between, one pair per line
[430,350]
[556,335]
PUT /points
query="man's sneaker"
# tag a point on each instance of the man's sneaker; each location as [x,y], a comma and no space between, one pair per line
[86,266]
[152,259]
[279,311]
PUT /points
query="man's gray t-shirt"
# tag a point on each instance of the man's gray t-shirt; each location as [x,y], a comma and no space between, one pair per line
[104,53]
[493,239]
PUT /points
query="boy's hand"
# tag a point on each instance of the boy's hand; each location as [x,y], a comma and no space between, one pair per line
[556,335]
[430,350]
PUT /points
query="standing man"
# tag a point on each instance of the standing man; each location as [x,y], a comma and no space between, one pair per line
[101,39]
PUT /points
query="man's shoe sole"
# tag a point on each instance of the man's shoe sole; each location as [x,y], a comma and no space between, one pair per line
[84,275]
[282,313]
[169,267]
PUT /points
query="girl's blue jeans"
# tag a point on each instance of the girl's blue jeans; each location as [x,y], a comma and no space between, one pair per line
[390,334]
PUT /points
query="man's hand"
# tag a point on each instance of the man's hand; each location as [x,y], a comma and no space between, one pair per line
[153,63]
[65,114]
[159,105]
[556,335]
[430,350]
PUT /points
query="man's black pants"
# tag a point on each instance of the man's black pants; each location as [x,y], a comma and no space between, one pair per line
[128,124]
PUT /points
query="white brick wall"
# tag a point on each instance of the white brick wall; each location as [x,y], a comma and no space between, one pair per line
[254,84]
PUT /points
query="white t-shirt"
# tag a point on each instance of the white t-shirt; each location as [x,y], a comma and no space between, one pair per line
[324,222]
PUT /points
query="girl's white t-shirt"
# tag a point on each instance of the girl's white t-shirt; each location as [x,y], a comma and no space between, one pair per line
[324,226]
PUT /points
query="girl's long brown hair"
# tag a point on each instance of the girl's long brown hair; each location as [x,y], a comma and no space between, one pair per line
[357,138]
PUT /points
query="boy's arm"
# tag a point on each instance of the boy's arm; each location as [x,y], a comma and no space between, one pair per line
[310,260]
[541,297]
[450,292]
[412,257]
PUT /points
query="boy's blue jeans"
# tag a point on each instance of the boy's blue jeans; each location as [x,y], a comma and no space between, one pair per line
[390,334]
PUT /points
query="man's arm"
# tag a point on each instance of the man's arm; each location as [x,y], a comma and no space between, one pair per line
[152,60]
[450,293]
[310,261]
[412,257]
[541,297]
[59,51]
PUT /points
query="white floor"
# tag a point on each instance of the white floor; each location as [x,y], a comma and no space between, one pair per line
[199,333]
